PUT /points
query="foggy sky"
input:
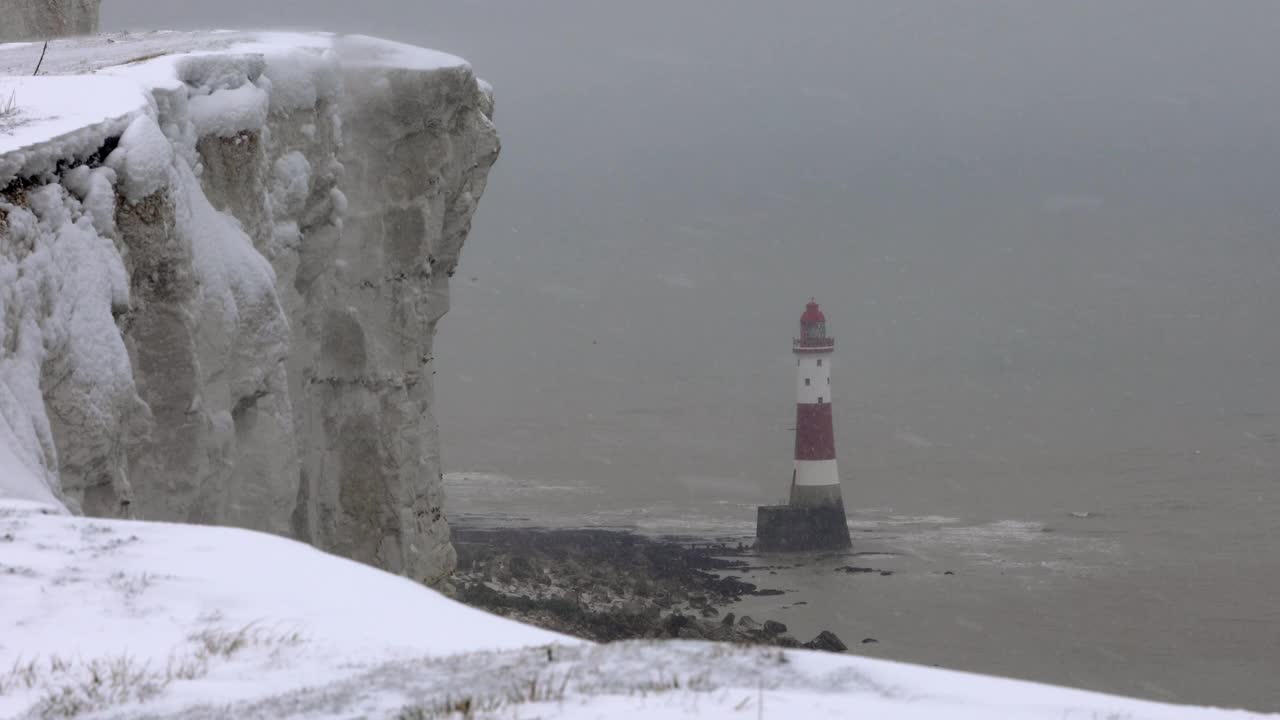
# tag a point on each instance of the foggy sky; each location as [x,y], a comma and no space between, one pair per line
[1046,236]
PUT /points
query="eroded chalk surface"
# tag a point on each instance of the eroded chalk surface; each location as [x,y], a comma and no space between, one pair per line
[222,260]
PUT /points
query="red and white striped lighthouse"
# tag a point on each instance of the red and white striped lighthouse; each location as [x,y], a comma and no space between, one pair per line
[813,519]
[815,481]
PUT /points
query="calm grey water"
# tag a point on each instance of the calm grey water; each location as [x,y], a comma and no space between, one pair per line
[1048,244]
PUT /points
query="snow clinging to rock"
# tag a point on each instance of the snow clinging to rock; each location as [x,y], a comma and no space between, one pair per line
[223,257]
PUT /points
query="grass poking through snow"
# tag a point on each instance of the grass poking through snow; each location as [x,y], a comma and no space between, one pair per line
[71,687]
[537,688]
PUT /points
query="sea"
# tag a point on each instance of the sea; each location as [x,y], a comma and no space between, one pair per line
[1132,598]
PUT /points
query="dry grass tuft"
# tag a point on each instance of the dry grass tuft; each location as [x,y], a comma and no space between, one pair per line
[216,642]
[537,688]
[465,708]
[9,105]
[72,687]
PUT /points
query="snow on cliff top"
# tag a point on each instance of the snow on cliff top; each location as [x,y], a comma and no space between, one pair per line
[89,88]
[91,54]
[46,108]
[132,619]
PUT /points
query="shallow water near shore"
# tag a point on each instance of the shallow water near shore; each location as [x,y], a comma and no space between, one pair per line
[1084,599]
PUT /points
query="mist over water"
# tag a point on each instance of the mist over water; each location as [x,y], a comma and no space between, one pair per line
[1047,241]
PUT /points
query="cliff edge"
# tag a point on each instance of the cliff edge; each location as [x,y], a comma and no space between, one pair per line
[222,261]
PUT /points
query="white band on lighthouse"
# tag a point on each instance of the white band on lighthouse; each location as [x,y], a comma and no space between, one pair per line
[813,379]
[817,472]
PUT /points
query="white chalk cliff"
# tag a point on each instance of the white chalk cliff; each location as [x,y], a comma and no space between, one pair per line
[222,261]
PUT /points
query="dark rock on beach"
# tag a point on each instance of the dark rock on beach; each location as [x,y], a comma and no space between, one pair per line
[613,585]
[828,641]
[773,627]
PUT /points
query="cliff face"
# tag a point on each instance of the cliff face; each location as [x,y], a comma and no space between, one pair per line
[45,19]
[226,282]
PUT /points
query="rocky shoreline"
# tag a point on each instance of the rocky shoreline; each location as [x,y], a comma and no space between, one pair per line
[607,585]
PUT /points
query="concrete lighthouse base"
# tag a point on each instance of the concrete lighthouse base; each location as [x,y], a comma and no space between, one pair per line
[783,528]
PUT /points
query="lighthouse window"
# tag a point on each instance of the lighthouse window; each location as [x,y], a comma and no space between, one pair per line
[819,362]
[806,382]
[819,399]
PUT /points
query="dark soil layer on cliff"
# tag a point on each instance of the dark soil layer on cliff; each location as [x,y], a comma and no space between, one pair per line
[607,585]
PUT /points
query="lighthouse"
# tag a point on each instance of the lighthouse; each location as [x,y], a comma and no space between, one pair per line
[814,517]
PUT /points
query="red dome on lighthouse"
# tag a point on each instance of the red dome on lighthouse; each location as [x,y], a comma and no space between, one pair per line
[812,314]
[813,331]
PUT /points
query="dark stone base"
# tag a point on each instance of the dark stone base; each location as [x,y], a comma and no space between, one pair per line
[787,528]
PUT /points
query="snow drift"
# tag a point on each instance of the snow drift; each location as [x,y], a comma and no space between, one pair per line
[200,622]
[222,260]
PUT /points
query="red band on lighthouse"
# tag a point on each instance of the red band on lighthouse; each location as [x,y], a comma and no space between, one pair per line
[815,439]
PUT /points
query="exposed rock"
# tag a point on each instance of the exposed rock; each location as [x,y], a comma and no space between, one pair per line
[689,632]
[826,640]
[558,574]
[787,641]
[636,606]
[869,641]
[721,633]
[773,627]
[675,623]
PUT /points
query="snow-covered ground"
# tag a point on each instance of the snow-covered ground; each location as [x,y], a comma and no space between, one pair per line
[131,619]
